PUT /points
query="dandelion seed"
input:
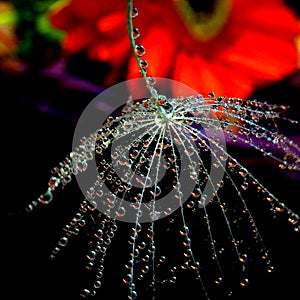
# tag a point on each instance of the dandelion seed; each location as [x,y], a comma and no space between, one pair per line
[152,143]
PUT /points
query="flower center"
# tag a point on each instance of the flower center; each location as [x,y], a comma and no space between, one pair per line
[204,19]
[204,6]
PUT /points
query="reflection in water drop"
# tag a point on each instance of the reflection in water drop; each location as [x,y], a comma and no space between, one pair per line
[244,282]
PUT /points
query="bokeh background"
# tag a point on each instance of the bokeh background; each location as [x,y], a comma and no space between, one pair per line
[44,88]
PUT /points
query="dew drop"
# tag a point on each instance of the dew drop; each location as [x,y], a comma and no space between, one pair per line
[46,198]
[129,265]
[297,228]
[243,172]
[31,206]
[245,185]
[243,258]
[89,265]
[146,258]
[91,255]
[135,32]
[97,284]
[132,295]
[142,245]
[190,204]
[173,279]
[146,269]
[244,282]
[162,259]
[270,269]
[157,191]
[139,50]
[85,293]
[53,182]
[293,220]
[121,211]
[63,241]
[134,13]
[143,64]
[127,279]
[219,280]
[151,80]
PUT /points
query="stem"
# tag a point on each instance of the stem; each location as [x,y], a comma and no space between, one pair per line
[131,38]
[152,91]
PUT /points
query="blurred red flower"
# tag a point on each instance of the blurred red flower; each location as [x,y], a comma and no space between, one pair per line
[229,47]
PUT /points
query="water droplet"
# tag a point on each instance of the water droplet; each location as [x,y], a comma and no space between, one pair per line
[243,172]
[121,211]
[85,293]
[97,284]
[173,279]
[31,206]
[146,258]
[190,204]
[127,279]
[157,190]
[82,166]
[219,280]
[151,80]
[142,245]
[270,269]
[135,12]
[145,269]
[243,258]
[135,32]
[244,282]
[132,295]
[139,50]
[162,259]
[245,185]
[129,265]
[136,253]
[143,64]
[53,182]
[91,255]
[46,198]
[63,241]
[293,220]
[89,265]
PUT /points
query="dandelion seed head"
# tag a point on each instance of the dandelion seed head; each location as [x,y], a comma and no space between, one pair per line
[163,168]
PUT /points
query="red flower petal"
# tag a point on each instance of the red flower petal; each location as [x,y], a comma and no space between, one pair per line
[255,47]
[114,54]
[262,57]
[78,38]
[161,47]
[109,24]
[207,77]
[61,18]
[270,19]
[93,10]
[90,10]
